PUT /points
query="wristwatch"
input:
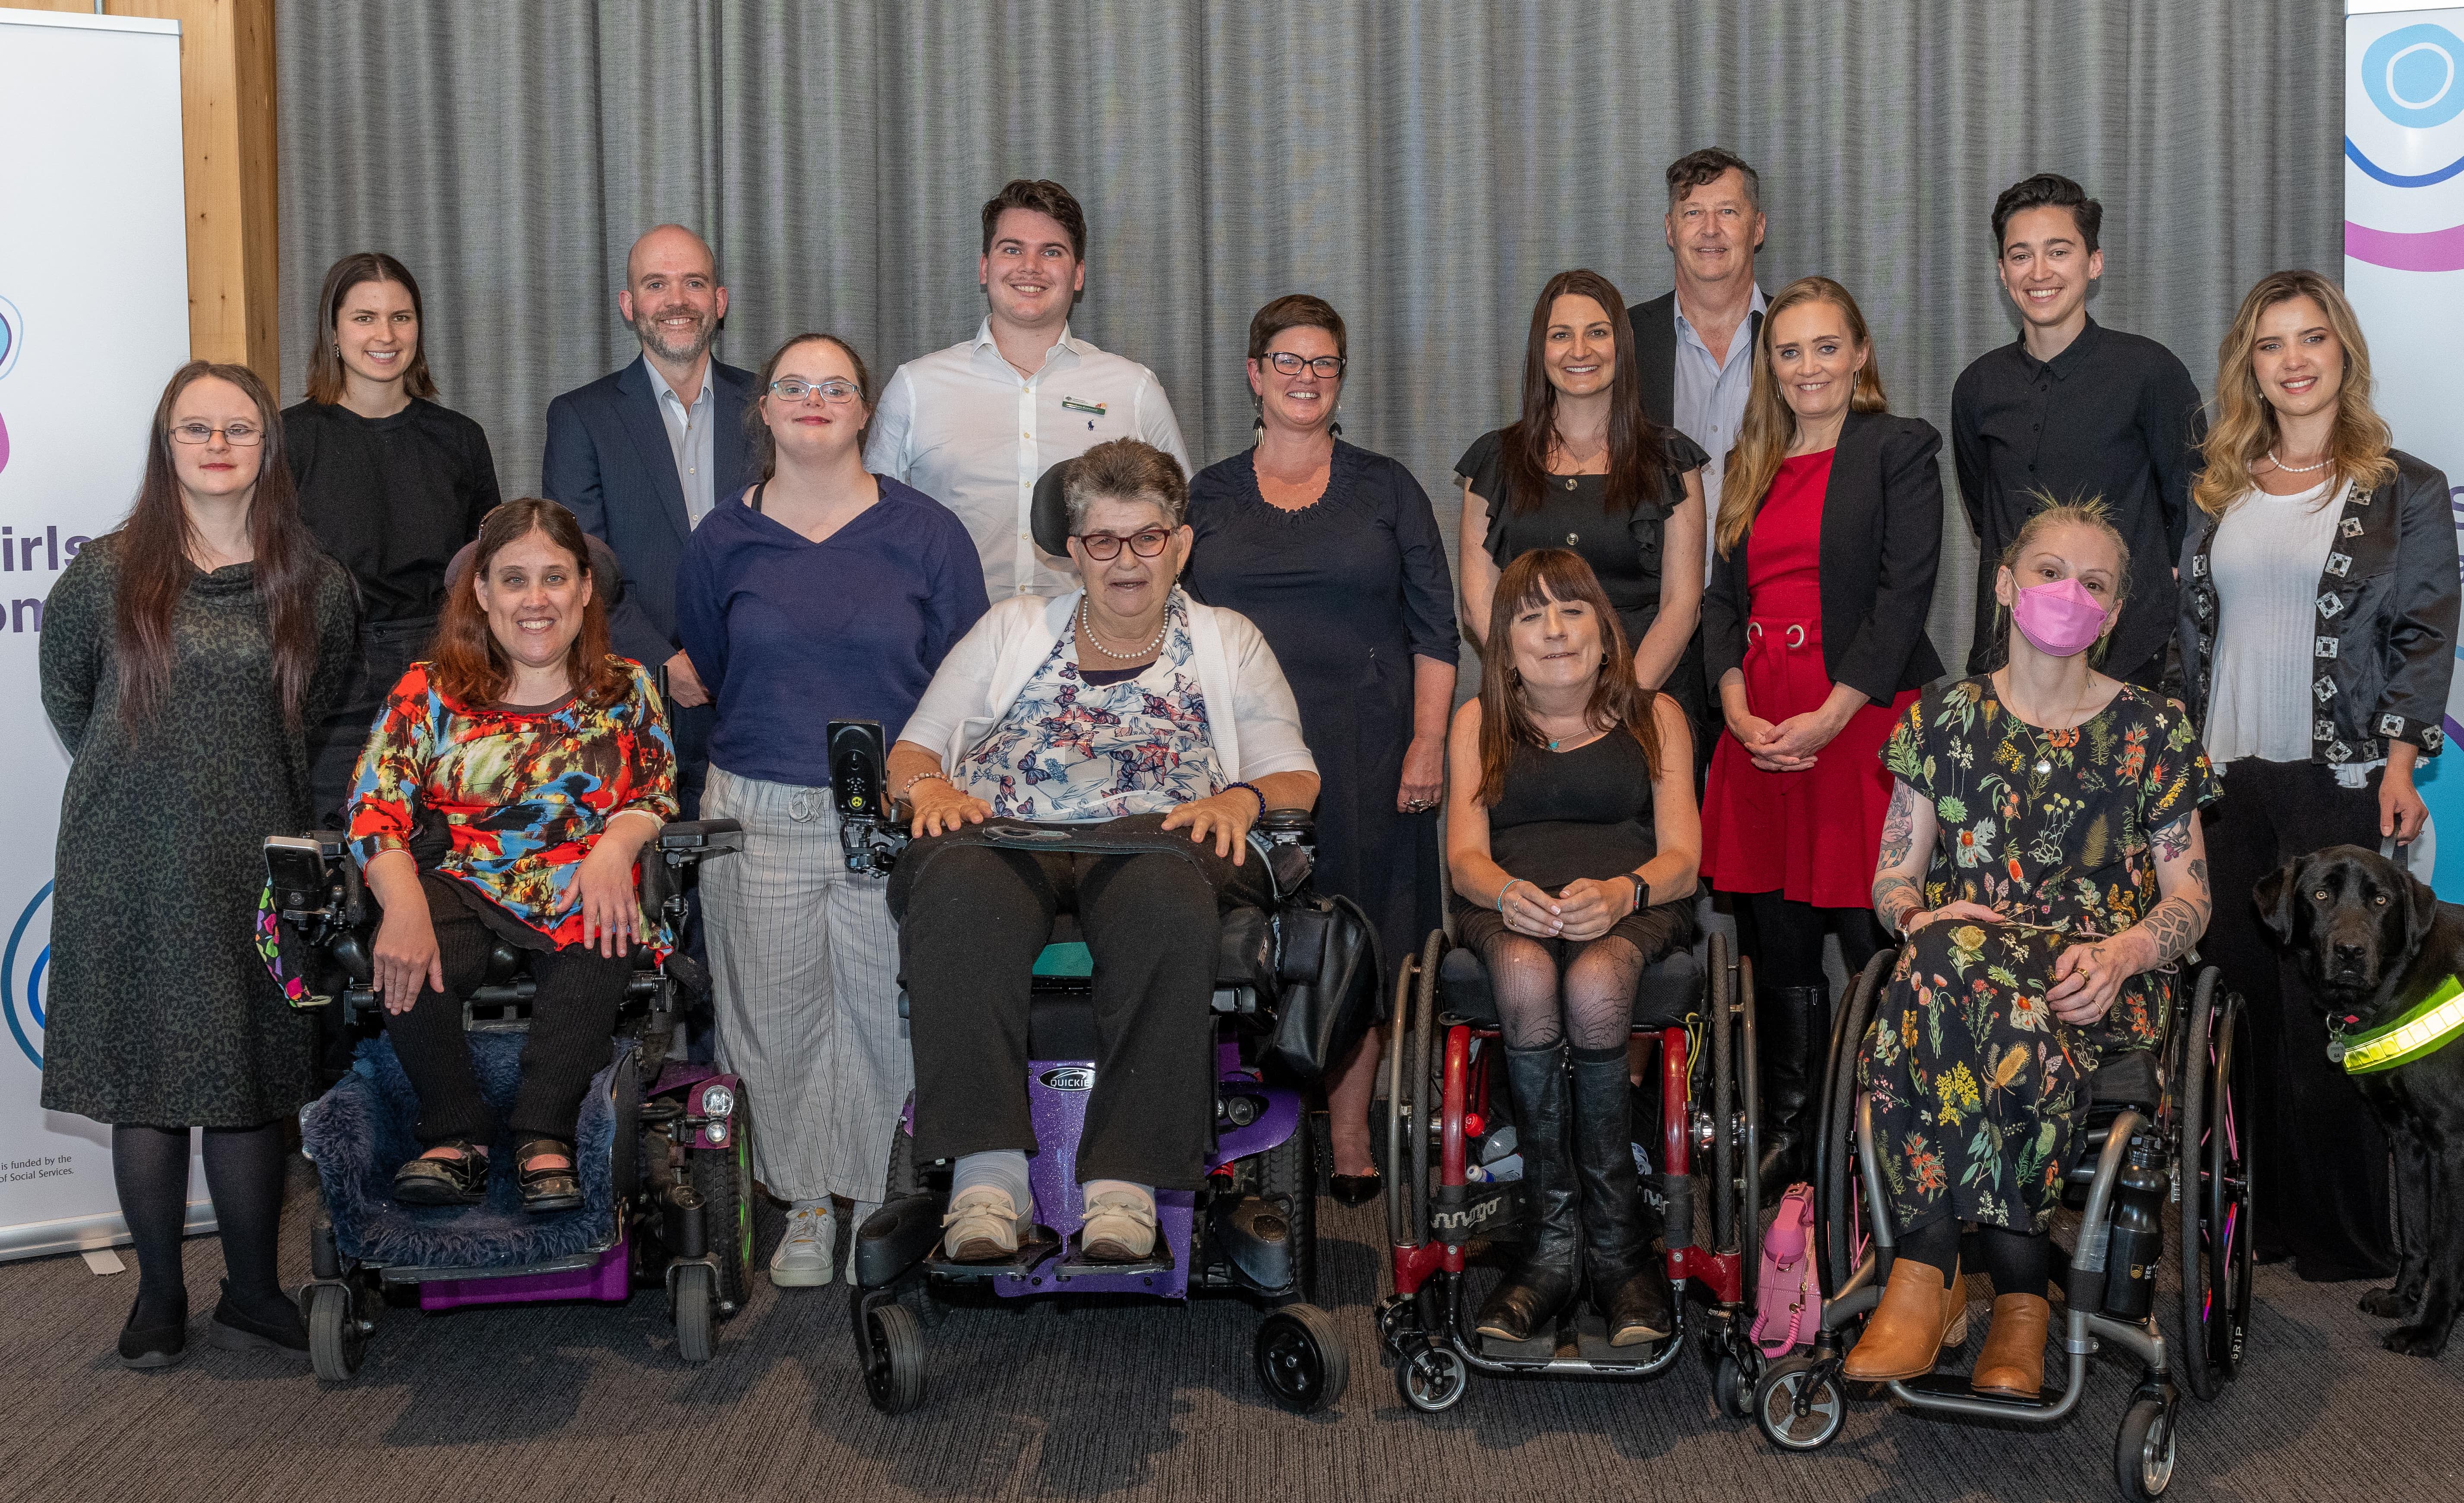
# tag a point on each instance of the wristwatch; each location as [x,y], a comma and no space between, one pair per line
[1642,891]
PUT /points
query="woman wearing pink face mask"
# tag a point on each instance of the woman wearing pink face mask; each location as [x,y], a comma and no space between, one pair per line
[2042,860]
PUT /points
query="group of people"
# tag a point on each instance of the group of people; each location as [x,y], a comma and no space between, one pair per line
[1697,567]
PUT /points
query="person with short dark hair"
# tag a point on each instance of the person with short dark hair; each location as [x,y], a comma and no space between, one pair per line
[185,657]
[821,593]
[2074,410]
[390,482]
[974,426]
[1335,553]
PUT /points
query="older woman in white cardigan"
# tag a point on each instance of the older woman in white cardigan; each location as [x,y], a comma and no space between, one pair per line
[1125,707]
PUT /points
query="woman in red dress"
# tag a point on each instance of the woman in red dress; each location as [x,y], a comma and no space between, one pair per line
[1814,637]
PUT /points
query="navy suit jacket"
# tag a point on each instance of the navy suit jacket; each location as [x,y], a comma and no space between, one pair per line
[609,462]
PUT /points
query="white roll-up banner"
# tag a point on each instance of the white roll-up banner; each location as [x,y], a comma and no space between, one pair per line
[93,318]
[2404,270]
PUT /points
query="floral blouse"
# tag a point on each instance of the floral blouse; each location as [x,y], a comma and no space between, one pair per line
[1072,752]
[523,793]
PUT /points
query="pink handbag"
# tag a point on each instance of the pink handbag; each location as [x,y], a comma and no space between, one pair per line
[1787,1301]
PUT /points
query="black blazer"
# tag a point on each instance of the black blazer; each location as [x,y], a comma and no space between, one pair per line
[1881,538]
[1655,345]
[609,462]
[2383,624]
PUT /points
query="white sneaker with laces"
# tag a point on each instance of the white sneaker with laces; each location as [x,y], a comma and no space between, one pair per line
[1120,1228]
[983,1225]
[803,1258]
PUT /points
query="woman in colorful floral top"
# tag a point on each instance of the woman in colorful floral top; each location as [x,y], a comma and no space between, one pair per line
[2043,860]
[547,761]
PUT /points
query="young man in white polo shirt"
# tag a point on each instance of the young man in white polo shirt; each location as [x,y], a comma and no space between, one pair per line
[976,425]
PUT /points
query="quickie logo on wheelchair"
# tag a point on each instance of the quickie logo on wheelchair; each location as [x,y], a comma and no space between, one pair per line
[22,968]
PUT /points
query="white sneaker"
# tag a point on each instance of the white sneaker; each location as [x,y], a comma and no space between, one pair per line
[804,1257]
[1120,1228]
[856,1218]
[983,1226]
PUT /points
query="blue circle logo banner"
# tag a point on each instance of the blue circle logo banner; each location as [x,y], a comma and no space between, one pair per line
[2415,75]
[22,968]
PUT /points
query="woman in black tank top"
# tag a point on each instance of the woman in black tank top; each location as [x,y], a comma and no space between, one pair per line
[1573,837]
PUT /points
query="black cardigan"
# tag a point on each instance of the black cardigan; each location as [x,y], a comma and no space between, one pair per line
[1881,538]
[1654,346]
[2385,620]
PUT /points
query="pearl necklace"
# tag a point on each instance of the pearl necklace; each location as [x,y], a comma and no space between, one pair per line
[2299,469]
[1142,653]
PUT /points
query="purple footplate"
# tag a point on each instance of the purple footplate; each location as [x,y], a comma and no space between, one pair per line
[609,1278]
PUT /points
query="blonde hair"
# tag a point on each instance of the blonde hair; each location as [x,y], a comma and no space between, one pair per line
[2245,427]
[1769,424]
[2089,512]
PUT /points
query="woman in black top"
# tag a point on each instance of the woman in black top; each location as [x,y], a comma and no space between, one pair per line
[1572,831]
[1335,553]
[1585,468]
[391,484]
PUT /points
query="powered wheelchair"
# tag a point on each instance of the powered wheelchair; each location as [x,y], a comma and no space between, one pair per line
[661,1144]
[2162,1125]
[1250,1232]
[1446,1110]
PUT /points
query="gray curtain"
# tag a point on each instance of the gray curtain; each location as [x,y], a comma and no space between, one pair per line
[1425,164]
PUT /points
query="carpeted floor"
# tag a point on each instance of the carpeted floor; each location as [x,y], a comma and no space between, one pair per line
[589,1402]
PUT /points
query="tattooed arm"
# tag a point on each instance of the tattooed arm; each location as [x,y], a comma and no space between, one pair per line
[1909,834]
[2087,977]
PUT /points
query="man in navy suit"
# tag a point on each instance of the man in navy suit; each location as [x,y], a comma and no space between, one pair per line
[640,456]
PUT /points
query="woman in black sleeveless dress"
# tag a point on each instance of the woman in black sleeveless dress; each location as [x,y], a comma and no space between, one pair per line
[1573,837]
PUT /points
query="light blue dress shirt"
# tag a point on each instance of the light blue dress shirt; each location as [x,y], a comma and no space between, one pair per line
[688,438]
[1709,403]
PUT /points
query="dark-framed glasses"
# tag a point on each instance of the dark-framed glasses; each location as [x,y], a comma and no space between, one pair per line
[239,435]
[1288,363]
[792,388]
[1146,542]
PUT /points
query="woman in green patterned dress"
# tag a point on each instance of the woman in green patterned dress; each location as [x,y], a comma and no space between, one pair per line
[2042,860]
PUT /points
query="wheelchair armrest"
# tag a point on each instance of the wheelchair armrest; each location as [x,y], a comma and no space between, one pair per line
[684,840]
[1281,825]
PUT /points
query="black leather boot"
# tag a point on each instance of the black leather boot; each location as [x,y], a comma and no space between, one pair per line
[1527,1302]
[1629,1281]
[1792,1040]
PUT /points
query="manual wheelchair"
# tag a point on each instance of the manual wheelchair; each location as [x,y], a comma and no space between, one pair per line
[1445,1101]
[661,1146]
[2166,1118]
[1250,1232]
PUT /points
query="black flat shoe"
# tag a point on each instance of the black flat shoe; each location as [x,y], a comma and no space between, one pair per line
[162,1346]
[459,1181]
[1356,1190]
[547,1189]
[235,1330]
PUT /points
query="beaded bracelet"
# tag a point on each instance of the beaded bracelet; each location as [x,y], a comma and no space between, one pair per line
[909,787]
[1251,789]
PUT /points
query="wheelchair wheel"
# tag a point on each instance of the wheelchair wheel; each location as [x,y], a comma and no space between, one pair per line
[893,1358]
[691,1305]
[1732,1387]
[1287,1175]
[724,1177]
[337,1337]
[1433,1379]
[1836,1202]
[1799,1403]
[1723,1177]
[2218,1246]
[1301,1359]
[1398,1325]
[1408,1098]
[2143,1450]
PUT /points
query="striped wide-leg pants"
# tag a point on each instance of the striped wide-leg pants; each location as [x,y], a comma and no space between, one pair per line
[805,959]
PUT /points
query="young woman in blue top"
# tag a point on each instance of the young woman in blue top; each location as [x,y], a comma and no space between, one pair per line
[822,593]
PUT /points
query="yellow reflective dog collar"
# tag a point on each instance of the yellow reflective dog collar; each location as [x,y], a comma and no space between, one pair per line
[2423,1029]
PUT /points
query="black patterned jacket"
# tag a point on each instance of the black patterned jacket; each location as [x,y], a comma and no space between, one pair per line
[2385,629]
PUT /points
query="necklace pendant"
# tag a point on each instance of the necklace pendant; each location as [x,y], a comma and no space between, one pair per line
[2044,766]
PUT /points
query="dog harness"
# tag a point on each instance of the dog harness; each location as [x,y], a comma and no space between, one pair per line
[2424,1029]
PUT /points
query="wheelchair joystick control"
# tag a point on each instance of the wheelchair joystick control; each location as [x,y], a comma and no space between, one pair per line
[870,830]
[2138,1236]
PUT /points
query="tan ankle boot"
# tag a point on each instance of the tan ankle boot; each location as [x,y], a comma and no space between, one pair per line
[2012,1362]
[1918,1316]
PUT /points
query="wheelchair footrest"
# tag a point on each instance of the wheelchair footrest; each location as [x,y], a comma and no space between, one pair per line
[1030,1252]
[1954,1385]
[896,1238]
[1075,1264]
[1581,1339]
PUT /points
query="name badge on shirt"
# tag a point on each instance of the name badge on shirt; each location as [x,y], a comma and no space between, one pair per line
[1074,405]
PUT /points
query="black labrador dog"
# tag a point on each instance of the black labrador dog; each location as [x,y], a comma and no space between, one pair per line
[2375,941]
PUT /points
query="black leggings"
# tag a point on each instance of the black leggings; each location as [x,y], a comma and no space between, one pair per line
[149,1167]
[572,1017]
[2018,1262]
[1785,938]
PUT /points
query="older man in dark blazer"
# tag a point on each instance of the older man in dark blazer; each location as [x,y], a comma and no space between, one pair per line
[642,455]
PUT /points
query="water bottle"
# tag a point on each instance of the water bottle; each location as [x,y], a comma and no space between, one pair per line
[1498,1144]
[2137,1238]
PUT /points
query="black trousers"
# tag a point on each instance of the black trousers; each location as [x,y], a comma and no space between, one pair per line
[971,920]
[2319,1156]
[572,1018]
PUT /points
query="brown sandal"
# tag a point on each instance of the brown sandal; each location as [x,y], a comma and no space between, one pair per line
[547,1188]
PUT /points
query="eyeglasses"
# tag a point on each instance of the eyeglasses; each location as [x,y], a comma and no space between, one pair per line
[239,435]
[1288,363]
[1104,547]
[792,388]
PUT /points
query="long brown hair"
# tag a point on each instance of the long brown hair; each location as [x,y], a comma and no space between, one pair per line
[327,380]
[154,566]
[1638,446]
[468,663]
[2245,421]
[1617,697]
[1769,424]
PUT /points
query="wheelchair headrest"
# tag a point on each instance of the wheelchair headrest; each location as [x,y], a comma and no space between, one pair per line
[1048,514]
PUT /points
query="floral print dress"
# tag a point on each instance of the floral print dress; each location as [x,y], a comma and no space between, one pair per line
[1978,1089]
